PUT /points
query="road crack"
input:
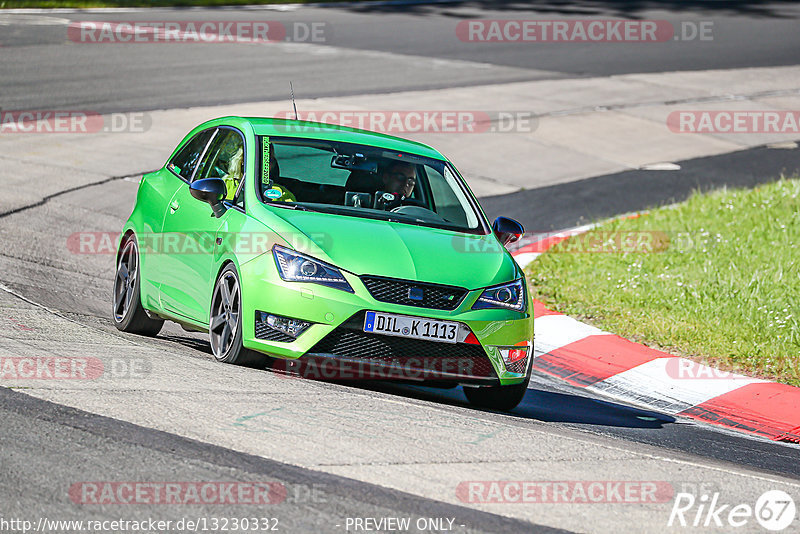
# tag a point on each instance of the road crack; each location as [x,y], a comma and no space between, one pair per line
[48,198]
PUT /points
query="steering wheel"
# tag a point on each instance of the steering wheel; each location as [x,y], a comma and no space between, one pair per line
[418,212]
[413,202]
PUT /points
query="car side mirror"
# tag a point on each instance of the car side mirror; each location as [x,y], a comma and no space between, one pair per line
[507,230]
[211,190]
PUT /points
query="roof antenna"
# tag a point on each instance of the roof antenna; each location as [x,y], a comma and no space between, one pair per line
[293,104]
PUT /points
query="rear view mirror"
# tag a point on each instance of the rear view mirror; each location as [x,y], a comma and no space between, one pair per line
[354,162]
[212,191]
[507,230]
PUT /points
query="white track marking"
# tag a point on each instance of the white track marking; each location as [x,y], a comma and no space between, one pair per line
[525,258]
[654,384]
[556,331]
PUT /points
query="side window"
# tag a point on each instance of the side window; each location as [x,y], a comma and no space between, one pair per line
[451,203]
[225,160]
[185,161]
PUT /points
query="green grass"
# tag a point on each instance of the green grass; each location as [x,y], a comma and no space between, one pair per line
[724,289]
[12,4]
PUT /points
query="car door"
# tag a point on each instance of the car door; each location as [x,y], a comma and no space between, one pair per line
[159,188]
[189,231]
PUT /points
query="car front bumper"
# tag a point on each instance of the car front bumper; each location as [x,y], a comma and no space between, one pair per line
[336,334]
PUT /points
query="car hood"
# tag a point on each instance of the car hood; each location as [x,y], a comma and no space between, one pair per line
[396,250]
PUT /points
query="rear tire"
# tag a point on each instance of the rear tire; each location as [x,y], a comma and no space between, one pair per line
[225,321]
[502,398]
[128,313]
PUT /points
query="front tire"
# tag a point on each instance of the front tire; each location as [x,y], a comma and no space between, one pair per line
[128,313]
[502,398]
[225,320]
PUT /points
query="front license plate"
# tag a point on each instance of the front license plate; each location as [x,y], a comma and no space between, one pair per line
[413,327]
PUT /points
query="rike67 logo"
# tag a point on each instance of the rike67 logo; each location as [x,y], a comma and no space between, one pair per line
[774,510]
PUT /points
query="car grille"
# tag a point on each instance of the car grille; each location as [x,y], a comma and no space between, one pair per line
[518,366]
[267,333]
[435,296]
[350,342]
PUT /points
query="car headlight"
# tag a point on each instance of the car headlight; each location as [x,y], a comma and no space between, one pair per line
[296,267]
[510,296]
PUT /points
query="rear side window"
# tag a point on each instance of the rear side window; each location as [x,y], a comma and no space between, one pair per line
[185,161]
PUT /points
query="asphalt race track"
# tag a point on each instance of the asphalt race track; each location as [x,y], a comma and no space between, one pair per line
[372,50]
[340,451]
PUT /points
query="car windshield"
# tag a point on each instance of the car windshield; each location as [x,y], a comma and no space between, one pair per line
[365,181]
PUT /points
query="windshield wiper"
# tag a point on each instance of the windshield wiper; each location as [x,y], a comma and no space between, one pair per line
[289,206]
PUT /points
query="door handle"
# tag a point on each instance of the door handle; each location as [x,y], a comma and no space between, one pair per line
[173,206]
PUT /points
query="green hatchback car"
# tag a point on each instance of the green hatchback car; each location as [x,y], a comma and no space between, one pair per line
[328,252]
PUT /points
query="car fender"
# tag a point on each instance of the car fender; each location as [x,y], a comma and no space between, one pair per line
[135,225]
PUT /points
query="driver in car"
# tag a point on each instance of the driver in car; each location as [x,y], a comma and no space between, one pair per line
[399,178]
[234,174]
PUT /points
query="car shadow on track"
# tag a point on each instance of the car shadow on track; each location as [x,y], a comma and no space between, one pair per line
[566,408]
[539,404]
[543,405]
[196,343]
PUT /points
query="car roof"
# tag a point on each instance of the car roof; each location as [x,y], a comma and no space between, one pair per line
[332,132]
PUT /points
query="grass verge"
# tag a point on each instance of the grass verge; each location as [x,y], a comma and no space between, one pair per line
[715,279]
